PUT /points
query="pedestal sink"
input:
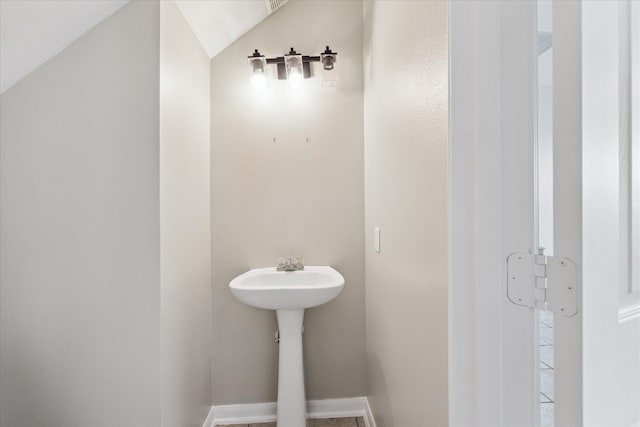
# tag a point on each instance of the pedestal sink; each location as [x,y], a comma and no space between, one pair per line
[289,293]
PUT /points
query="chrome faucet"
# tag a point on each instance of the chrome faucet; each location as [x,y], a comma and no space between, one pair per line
[289,264]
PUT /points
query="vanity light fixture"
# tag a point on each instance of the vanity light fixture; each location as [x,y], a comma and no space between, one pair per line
[293,67]
[258,70]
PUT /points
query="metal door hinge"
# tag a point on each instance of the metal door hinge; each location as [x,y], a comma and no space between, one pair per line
[544,282]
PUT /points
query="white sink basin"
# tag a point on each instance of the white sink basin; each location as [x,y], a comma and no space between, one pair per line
[289,293]
[287,290]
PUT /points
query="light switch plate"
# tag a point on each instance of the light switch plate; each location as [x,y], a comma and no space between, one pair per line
[376,239]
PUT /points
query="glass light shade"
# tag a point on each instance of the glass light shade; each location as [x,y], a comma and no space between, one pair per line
[329,77]
[295,72]
[259,81]
[328,60]
[258,72]
[329,69]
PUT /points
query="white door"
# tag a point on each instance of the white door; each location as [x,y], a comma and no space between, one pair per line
[596,124]
[594,217]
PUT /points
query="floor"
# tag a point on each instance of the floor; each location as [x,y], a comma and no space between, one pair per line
[328,422]
[546,369]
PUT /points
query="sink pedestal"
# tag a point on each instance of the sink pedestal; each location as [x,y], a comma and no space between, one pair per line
[291,397]
[289,293]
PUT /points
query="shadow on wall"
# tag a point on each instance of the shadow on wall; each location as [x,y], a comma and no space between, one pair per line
[380,404]
[367,35]
[53,407]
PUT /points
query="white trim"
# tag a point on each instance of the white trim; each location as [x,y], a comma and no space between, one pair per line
[244,413]
[266,412]
[492,351]
[634,116]
[629,313]
[208,422]
[369,421]
[335,408]
[629,159]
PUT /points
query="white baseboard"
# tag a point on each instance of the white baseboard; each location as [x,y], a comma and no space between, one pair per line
[244,414]
[266,412]
[208,422]
[369,421]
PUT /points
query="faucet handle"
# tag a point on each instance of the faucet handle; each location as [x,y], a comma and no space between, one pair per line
[289,264]
[297,262]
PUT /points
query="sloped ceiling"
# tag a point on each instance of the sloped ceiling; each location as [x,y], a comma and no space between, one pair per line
[218,23]
[34,31]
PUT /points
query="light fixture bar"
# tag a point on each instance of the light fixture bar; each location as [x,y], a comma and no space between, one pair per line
[328,59]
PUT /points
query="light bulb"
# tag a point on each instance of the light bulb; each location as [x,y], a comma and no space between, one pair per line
[295,78]
[258,81]
[293,63]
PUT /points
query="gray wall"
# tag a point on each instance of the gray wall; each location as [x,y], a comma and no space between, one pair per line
[289,197]
[80,260]
[185,233]
[405,122]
